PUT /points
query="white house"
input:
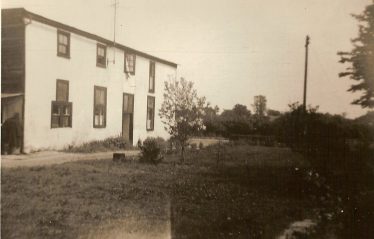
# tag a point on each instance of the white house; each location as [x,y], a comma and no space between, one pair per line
[70,86]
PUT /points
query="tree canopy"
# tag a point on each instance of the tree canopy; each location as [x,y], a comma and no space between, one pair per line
[238,113]
[259,105]
[361,59]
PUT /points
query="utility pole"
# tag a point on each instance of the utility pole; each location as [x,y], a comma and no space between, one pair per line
[306,70]
[114,30]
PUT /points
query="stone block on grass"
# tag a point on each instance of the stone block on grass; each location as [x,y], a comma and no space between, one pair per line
[119,157]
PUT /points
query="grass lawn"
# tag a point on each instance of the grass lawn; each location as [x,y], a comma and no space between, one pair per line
[253,192]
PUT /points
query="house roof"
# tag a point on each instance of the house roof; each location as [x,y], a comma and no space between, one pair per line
[35,17]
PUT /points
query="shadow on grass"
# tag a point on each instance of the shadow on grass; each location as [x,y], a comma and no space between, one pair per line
[238,202]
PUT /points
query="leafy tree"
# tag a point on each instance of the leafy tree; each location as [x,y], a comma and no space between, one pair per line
[274,113]
[237,120]
[368,118]
[182,111]
[211,121]
[259,105]
[361,59]
[238,112]
[211,112]
[290,126]
[367,121]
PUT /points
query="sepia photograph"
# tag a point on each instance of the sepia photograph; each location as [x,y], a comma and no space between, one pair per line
[168,119]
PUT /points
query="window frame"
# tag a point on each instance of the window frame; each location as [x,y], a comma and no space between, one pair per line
[62,103]
[103,65]
[60,54]
[154,110]
[61,116]
[132,71]
[152,63]
[105,106]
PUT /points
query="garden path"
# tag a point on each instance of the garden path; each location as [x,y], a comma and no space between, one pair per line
[54,157]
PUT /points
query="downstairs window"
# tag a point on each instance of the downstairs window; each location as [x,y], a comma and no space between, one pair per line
[62,109]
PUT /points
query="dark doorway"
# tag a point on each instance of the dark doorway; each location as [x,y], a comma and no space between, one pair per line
[11,123]
[128,117]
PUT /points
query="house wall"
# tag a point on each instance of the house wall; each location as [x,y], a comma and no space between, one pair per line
[44,67]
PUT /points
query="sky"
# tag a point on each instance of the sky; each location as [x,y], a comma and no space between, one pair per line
[232,49]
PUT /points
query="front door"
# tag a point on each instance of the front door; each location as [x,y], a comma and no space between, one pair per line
[128,117]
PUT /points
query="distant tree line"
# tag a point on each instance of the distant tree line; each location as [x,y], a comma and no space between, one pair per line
[237,121]
[285,126]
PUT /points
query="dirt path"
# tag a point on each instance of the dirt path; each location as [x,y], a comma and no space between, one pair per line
[54,157]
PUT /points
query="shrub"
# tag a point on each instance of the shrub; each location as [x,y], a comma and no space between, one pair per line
[152,150]
[139,143]
[108,144]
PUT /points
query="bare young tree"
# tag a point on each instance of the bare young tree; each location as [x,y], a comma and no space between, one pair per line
[182,111]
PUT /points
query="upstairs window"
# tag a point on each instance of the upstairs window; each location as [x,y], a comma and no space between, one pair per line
[99,120]
[61,108]
[152,77]
[150,113]
[130,60]
[63,44]
[101,55]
